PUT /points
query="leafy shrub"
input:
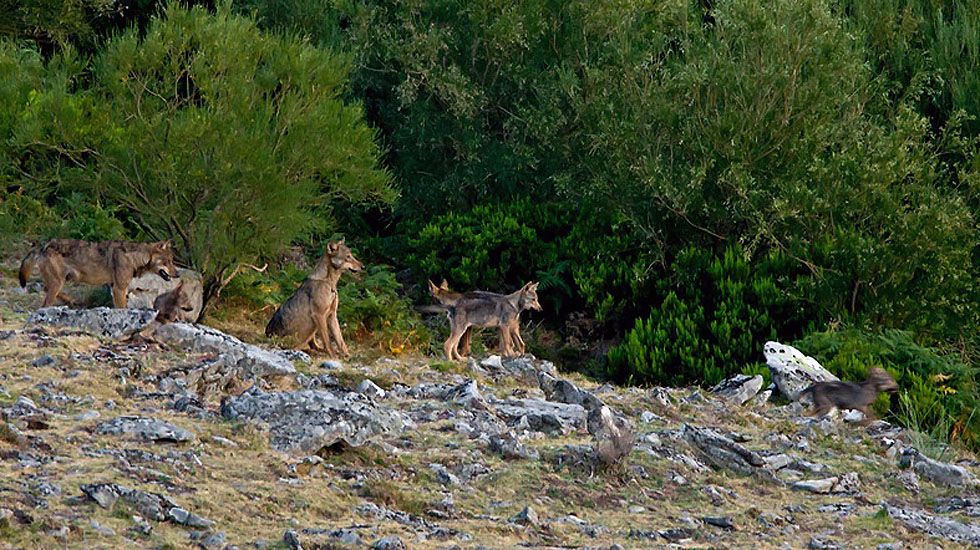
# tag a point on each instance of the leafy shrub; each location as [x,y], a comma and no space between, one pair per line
[372,306]
[494,247]
[201,129]
[712,326]
[938,392]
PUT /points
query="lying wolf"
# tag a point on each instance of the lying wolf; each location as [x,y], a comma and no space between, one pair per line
[173,306]
[312,309]
[851,395]
[96,263]
[484,309]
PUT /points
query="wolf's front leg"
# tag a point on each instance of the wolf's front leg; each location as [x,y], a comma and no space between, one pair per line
[334,325]
[322,330]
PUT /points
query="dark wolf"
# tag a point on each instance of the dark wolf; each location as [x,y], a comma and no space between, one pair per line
[851,395]
[312,309]
[96,263]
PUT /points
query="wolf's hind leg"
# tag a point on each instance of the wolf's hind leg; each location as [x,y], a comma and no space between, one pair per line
[52,291]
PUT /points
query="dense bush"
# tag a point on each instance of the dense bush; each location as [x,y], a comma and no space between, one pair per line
[205,131]
[938,394]
[713,323]
[373,307]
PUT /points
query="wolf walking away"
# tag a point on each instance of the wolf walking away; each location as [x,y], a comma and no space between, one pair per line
[312,309]
[851,395]
[96,263]
[484,309]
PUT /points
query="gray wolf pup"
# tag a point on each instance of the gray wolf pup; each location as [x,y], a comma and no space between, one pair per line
[172,306]
[851,395]
[96,263]
[312,309]
[485,309]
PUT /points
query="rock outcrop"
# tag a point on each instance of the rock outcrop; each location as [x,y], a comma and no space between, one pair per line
[100,321]
[304,422]
[793,372]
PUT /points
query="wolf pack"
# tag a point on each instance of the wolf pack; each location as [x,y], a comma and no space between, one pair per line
[309,316]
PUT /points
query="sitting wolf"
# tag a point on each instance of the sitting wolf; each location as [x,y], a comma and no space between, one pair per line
[108,262]
[484,309]
[312,309]
[172,306]
[851,395]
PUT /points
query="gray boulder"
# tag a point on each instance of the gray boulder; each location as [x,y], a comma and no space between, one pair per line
[543,416]
[146,429]
[150,505]
[100,321]
[143,290]
[739,388]
[940,473]
[936,526]
[303,422]
[467,394]
[721,451]
[390,542]
[249,361]
[793,372]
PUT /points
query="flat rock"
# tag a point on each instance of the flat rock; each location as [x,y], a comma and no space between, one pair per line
[739,388]
[143,290]
[150,505]
[303,422]
[936,526]
[466,394]
[146,429]
[940,473]
[249,361]
[792,371]
[721,451]
[544,416]
[100,321]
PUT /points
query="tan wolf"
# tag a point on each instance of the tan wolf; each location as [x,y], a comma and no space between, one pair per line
[484,309]
[96,263]
[172,306]
[851,395]
[312,309]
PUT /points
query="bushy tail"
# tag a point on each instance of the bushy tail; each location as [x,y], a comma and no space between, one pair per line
[275,325]
[27,266]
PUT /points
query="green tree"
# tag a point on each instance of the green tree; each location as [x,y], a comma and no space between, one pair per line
[207,131]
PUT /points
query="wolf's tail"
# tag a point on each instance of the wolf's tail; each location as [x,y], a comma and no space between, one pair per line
[27,266]
[275,325]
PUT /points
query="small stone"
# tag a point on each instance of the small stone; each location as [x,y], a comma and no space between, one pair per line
[649,417]
[291,539]
[723,522]
[87,416]
[443,475]
[213,541]
[527,516]
[636,509]
[820,486]
[102,530]
[390,542]
[852,416]
[43,361]
[370,389]
[224,442]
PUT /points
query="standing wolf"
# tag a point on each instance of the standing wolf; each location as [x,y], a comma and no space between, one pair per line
[108,262]
[484,309]
[312,309]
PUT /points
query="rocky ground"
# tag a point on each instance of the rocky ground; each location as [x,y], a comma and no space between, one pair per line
[185,437]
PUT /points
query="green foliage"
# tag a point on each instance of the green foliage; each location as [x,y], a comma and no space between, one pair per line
[494,247]
[203,130]
[724,309]
[938,393]
[372,307]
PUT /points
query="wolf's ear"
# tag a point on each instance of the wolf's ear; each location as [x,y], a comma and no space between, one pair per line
[332,248]
[444,285]
[164,245]
[432,286]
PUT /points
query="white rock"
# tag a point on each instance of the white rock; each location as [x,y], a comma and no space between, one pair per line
[792,371]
